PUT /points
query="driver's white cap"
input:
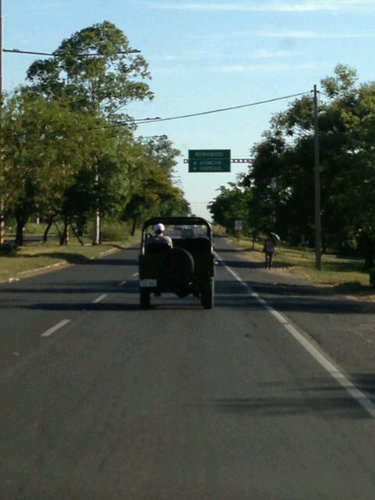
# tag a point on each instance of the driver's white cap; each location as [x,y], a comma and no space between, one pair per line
[159,227]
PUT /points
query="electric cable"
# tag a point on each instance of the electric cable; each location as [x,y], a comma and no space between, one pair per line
[141,121]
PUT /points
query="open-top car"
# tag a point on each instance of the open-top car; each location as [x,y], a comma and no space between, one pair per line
[182,264]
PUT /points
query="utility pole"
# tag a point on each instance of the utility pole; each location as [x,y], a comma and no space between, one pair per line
[318,224]
[97,222]
[2,221]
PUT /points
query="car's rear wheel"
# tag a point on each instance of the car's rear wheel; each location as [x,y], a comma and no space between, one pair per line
[179,264]
[145,298]
[207,294]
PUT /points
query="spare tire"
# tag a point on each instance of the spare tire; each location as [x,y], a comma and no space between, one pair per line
[179,264]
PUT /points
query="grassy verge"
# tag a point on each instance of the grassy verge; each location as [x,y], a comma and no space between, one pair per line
[345,274]
[34,257]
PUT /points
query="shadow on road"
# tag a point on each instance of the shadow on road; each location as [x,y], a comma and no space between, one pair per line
[305,298]
[323,397]
[76,258]
[84,306]
[365,382]
[228,294]
[71,258]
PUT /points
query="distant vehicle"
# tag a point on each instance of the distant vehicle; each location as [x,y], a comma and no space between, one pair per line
[187,268]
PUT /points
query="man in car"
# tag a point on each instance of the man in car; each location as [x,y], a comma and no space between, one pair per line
[159,238]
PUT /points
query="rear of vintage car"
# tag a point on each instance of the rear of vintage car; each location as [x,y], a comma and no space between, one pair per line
[186,268]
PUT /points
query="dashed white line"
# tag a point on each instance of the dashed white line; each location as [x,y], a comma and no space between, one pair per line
[54,329]
[322,358]
[100,298]
[123,283]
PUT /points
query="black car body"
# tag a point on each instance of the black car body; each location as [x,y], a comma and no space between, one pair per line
[187,268]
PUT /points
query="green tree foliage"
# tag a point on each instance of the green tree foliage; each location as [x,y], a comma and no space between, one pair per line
[281,173]
[43,144]
[94,67]
[154,195]
[105,181]
[161,150]
[98,74]
[69,150]
[230,205]
[153,190]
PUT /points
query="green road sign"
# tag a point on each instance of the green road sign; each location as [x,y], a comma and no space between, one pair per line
[209,160]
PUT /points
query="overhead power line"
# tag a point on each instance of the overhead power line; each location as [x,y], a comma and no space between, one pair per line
[220,110]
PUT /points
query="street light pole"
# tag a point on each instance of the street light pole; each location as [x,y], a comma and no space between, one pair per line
[2,221]
[1,49]
[318,224]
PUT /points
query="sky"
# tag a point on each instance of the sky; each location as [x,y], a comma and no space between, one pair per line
[206,55]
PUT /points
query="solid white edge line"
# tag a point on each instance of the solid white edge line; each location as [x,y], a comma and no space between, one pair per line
[100,298]
[322,358]
[54,329]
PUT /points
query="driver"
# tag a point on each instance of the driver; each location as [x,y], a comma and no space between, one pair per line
[159,236]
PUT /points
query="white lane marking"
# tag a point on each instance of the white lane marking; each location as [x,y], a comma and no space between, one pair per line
[135,275]
[123,283]
[322,358]
[100,298]
[54,329]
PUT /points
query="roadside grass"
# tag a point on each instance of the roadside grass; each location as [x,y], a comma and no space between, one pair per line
[346,275]
[34,257]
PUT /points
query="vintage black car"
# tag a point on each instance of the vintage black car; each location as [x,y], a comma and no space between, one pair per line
[186,268]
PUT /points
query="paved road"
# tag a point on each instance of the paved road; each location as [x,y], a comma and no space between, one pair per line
[101,400]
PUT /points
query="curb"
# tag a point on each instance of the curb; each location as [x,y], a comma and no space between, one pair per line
[54,267]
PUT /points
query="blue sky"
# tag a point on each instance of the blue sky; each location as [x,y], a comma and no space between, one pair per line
[204,55]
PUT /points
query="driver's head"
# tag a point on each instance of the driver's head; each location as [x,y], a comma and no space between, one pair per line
[159,228]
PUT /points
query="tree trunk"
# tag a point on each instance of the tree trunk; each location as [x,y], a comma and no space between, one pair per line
[21,220]
[134,226]
[45,234]
[19,233]
[370,255]
[64,237]
[78,233]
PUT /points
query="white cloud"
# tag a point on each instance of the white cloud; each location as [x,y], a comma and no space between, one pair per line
[271,6]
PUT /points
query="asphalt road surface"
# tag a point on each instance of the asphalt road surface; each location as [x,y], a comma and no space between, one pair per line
[249,400]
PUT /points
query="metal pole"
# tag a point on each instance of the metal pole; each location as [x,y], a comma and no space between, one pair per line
[318,225]
[2,221]
[1,48]
[97,221]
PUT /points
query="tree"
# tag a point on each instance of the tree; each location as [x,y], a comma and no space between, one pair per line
[230,205]
[94,67]
[353,183]
[43,144]
[281,172]
[154,195]
[96,70]
[160,150]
